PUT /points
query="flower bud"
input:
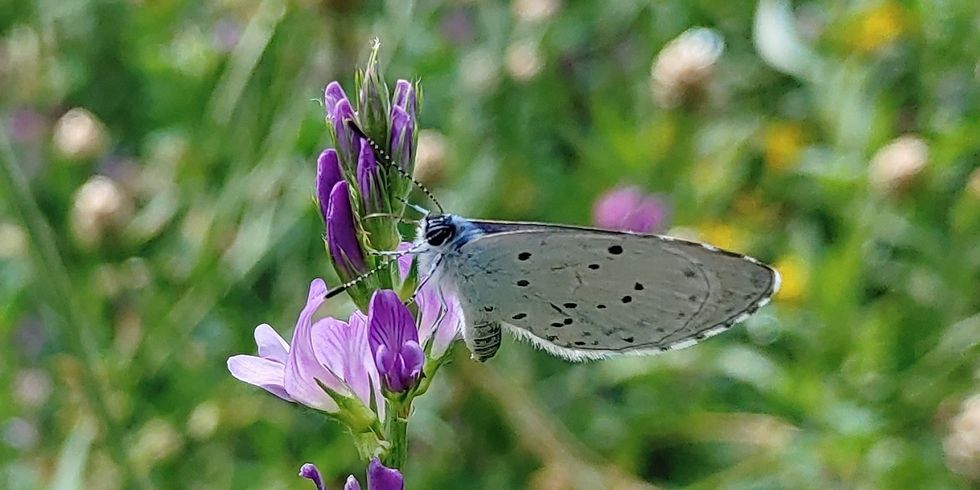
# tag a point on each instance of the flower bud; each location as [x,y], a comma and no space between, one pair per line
[79,135]
[100,207]
[369,181]
[342,244]
[896,165]
[962,444]
[402,138]
[344,137]
[328,173]
[372,102]
[523,61]
[683,70]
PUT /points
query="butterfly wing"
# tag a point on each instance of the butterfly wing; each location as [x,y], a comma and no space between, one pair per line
[584,294]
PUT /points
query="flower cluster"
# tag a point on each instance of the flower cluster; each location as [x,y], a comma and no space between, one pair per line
[361,185]
[364,371]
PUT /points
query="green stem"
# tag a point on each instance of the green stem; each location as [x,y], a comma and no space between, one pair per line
[77,327]
[396,433]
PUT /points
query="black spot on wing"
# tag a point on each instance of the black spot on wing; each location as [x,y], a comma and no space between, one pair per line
[615,249]
[524,256]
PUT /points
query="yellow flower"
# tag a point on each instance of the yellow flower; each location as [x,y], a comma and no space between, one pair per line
[719,234]
[878,27]
[783,143]
[795,276]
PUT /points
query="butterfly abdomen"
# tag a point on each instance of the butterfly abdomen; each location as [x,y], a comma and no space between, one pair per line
[483,339]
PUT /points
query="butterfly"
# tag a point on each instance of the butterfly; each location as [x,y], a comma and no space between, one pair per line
[582,293]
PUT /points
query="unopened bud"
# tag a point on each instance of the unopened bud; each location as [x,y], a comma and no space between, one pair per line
[100,207]
[79,135]
[896,165]
[685,67]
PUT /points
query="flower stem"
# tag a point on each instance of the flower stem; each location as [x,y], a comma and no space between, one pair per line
[396,433]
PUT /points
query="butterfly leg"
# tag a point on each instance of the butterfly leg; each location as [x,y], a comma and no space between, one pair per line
[482,339]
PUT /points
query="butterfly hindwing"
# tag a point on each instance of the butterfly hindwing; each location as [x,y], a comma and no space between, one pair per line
[582,293]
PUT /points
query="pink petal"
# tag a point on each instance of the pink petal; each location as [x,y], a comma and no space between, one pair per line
[303,370]
[264,373]
[271,345]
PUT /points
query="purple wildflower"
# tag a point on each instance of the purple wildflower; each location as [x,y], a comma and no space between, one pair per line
[328,173]
[326,353]
[628,208]
[379,477]
[394,341]
[345,251]
[440,316]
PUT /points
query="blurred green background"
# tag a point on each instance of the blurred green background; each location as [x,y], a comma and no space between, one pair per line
[155,205]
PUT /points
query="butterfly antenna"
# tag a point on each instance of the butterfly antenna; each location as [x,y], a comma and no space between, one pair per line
[386,159]
[416,207]
[343,287]
[401,219]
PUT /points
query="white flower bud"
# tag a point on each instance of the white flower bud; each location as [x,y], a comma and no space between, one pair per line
[962,444]
[896,165]
[79,135]
[100,206]
[534,10]
[523,60]
[684,68]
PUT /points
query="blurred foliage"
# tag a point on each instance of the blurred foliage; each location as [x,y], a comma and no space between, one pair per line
[201,121]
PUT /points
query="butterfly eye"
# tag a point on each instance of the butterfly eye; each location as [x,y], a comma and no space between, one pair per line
[439,235]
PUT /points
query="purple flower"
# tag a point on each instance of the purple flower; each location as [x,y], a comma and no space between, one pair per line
[332,94]
[394,341]
[369,181]
[379,477]
[402,128]
[405,98]
[327,353]
[440,316]
[328,173]
[312,473]
[628,208]
[339,114]
[342,243]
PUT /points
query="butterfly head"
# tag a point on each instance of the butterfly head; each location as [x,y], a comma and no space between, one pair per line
[439,230]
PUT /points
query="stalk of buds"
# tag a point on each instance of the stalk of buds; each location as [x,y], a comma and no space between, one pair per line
[377,176]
